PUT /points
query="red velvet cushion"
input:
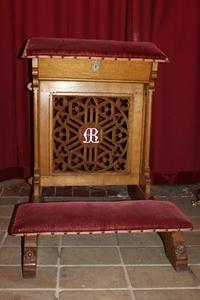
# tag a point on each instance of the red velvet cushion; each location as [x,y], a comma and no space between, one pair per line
[92,48]
[97,217]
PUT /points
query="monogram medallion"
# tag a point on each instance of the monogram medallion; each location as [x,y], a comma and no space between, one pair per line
[91,136]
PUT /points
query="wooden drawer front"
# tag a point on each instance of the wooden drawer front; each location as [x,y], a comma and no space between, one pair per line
[94,69]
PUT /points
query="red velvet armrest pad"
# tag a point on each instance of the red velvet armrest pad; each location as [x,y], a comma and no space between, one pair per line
[97,216]
[92,48]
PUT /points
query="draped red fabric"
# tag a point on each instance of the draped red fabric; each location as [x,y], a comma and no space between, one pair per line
[173,25]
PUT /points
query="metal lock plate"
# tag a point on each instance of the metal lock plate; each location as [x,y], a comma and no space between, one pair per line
[95,65]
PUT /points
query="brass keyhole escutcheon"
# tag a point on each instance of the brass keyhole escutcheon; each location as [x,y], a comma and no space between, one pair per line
[95,65]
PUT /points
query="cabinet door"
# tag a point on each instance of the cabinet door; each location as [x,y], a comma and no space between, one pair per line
[91,133]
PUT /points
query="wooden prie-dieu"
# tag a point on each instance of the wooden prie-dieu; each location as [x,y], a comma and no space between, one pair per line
[92,122]
[92,112]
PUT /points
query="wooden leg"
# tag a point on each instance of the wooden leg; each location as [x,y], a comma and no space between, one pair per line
[36,189]
[175,249]
[137,192]
[29,256]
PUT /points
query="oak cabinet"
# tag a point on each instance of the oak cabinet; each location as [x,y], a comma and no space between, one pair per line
[92,112]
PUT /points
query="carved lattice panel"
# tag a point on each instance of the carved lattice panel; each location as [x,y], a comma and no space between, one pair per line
[90,133]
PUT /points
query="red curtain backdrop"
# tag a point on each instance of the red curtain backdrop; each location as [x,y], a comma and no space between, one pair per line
[172,24]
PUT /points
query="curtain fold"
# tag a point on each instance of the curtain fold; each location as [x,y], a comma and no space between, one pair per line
[174,25]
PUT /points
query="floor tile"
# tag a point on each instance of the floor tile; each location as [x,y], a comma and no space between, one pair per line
[95,295]
[196,222]
[2,234]
[49,240]
[90,239]
[11,190]
[26,295]
[10,256]
[4,222]
[6,210]
[90,255]
[196,271]
[192,238]
[47,255]
[160,276]
[12,183]
[25,191]
[139,255]
[9,200]
[11,277]
[139,239]
[185,204]
[193,255]
[98,192]
[12,241]
[23,199]
[81,191]
[172,190]
[50,191]
[92,277]
[55,199]
[168,295]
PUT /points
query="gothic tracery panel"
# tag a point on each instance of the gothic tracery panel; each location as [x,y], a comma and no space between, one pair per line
[89,133]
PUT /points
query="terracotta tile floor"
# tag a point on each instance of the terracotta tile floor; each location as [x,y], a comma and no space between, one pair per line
[93,267]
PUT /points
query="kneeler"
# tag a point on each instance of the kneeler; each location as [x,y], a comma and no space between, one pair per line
[92,121]
[57,218]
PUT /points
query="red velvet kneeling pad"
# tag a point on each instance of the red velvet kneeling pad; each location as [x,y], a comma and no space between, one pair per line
[88,217]
[60,47]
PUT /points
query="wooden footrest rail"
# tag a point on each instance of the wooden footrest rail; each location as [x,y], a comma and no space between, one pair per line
[32,219]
